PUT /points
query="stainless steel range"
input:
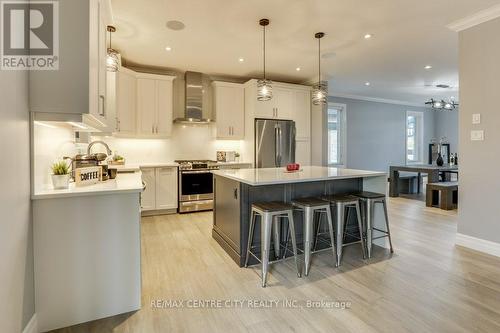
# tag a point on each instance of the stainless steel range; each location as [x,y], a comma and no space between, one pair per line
[196,191]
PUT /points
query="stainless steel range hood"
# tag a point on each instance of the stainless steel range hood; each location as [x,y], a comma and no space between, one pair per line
[194,112]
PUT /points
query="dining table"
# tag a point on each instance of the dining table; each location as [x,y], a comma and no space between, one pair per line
[433,172]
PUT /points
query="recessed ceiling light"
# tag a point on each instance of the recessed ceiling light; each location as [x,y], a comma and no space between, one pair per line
[428,67]
[168,48]
[241,59]
[368,36]
[297,69]
[367,83]
[175,25]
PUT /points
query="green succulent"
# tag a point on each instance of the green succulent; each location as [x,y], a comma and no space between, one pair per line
[60,168]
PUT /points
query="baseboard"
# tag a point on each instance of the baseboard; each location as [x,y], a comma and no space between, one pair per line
[478,244]
[32,326]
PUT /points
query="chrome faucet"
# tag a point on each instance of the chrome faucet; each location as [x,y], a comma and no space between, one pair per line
[102,143]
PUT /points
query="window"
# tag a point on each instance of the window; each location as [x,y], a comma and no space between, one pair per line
[414,137]
[336,135]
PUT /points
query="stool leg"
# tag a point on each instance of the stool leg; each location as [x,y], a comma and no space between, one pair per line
[347,219]
[317,217]
[387,225]
[265,240]
[276,236]
[287,239]
[330,229]
[339,231]
[358,213]
[294,243]
[250,236]
[308,233]
[369,231]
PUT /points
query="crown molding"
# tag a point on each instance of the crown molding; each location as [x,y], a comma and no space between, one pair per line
[379,100]
[475,19]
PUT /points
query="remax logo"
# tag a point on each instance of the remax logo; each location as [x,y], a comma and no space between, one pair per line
[29,35]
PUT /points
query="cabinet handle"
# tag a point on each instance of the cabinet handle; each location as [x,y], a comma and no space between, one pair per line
[235,193]
[103,100]
[156,129]
[117,124]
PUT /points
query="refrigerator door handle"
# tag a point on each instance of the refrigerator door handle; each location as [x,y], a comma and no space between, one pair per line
[276,146]
[280,145]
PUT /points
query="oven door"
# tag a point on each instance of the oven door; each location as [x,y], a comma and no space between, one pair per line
[196,185]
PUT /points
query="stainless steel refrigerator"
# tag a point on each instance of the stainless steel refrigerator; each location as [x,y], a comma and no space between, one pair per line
[274,143]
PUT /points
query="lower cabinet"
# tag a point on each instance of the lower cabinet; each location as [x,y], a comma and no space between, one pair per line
[161,189]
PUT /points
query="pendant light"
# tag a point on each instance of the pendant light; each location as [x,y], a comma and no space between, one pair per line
[320,90]
[112,60]
[264,86]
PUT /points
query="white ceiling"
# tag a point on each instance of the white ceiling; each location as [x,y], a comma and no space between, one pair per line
[407,35]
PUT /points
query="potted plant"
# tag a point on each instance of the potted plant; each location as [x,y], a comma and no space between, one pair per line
[60,175]
[236,157]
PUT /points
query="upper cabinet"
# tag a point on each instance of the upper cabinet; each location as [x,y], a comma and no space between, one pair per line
[125,103]
[143,103]
[229,105]
[79,85]
[154,104]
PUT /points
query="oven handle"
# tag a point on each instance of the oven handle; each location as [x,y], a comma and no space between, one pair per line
[195,171]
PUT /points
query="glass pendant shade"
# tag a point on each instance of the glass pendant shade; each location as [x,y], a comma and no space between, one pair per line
[264,90]
[320,93]
[112,61]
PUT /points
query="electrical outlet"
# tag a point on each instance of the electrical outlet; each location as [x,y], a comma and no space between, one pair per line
[476,118]
[477,135]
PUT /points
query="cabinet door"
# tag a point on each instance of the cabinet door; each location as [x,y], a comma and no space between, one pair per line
[165,107]
[302,113]
[303,152]
[148,197]
[166,188]
[283,101]
[126,103]
[264,109]
[230,111]
[146,106]
[101,109]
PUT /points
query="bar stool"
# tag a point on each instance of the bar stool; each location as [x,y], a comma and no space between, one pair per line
[340,203]
[369,199]
[312,208]
[270,214]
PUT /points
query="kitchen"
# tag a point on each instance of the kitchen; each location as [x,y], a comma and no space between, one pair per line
[189,176]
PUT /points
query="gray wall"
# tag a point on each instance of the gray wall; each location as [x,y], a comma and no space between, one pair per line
[16,241]
[479,54]
[376,133]
[446,124]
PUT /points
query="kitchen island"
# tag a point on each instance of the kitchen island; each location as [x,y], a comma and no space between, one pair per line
[236,190]
[87,251]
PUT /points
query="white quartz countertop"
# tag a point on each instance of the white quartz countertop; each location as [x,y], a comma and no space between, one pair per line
[270,176]
[123,183]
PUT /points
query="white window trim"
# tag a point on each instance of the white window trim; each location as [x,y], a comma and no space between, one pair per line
[420,137]
[343,137]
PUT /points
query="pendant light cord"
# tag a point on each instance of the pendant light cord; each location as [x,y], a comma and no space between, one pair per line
[264,49]
[319,62]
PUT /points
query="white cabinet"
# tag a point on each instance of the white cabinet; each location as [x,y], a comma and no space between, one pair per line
[279,107]
[154,105]
[78,86]
[166,188]
[126,102]
[302,113]
[303,152]
[161,188]
[148,197]
[229,105]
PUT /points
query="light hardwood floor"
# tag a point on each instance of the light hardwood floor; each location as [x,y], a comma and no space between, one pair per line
[428,285]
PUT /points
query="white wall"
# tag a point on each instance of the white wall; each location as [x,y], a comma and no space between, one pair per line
[16,239]
[479,209]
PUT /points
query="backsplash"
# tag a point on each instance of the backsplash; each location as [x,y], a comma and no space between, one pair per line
[186,142]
